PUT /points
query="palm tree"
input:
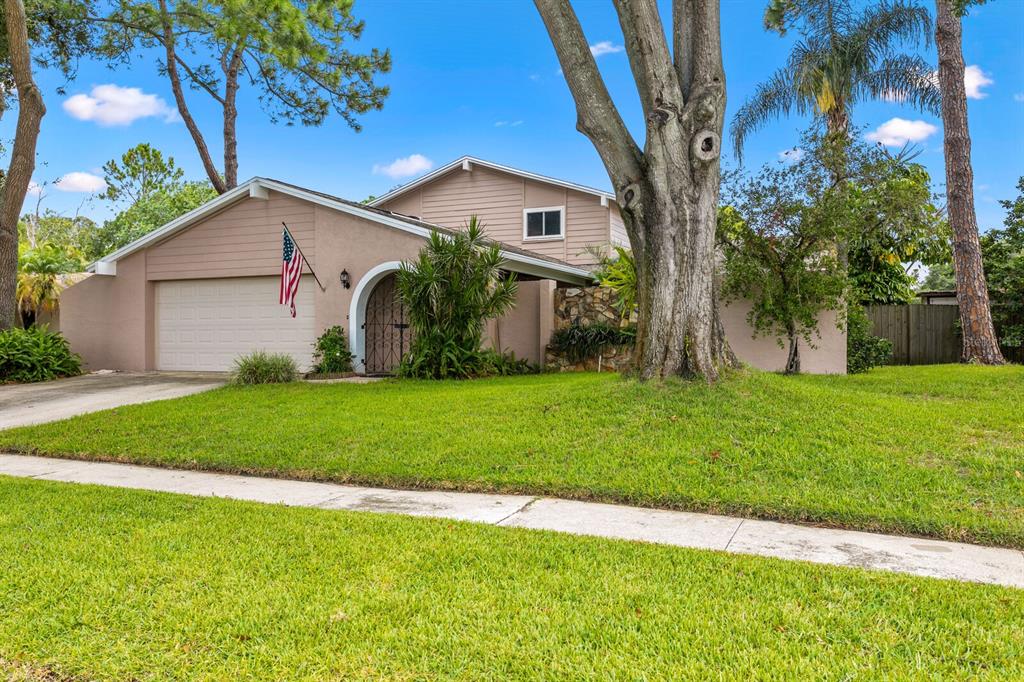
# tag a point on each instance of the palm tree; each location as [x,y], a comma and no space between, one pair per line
[40,279]
[844,56]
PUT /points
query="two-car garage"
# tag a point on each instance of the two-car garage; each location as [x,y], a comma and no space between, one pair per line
[204,324]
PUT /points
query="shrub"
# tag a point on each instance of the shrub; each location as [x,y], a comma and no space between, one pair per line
[450,290]
[619,274]
[863,350]
[507,364]
[36,354]
[261,367]
[330,352]
[577,342]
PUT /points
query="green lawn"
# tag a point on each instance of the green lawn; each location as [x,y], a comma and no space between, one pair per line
[936,450]
[114,584]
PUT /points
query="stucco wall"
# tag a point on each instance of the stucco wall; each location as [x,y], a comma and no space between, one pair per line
[827,356]
[108,320]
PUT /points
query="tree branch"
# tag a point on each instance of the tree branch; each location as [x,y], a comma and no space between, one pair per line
[698,46]
[597,117]
[656,81]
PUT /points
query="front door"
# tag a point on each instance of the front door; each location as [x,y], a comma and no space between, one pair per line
[388,334]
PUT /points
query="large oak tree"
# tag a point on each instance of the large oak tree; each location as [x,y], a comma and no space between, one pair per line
[979,337]
[293,53]
[667,190]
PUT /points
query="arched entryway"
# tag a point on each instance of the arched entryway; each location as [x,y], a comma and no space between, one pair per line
[386,328]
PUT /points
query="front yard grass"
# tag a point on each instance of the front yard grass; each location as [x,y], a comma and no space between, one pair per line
[109,584]
[936,451]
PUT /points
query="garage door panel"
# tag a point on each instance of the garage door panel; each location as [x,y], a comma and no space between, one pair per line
[204,325]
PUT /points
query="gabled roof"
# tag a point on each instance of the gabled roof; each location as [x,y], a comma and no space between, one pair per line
[519,260]
[473,161]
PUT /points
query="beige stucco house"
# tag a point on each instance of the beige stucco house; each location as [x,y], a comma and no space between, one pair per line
[203,289]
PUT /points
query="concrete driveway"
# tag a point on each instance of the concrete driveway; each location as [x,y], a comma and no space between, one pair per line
[24,404]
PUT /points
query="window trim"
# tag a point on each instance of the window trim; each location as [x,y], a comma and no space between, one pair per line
[545,237]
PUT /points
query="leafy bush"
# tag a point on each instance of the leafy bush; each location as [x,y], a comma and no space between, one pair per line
[507,364]
[36,354]
[450,290]
[261,367]
[619,274]
[863,350]
[330,352]
[577,342]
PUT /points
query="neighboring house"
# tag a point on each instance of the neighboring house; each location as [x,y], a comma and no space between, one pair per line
[203,289]
[938,297]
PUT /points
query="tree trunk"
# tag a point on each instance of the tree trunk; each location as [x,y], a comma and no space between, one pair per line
[793,359]
[170,50]
[23,158]
[230,119]
[668,193]
[979,338]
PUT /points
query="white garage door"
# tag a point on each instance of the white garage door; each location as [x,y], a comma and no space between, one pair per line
[204,324]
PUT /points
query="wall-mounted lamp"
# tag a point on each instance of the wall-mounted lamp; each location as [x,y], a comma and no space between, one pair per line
[346,281]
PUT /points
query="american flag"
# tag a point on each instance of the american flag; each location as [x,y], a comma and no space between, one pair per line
[291,270]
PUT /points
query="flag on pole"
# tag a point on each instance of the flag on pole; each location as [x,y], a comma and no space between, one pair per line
[291,271]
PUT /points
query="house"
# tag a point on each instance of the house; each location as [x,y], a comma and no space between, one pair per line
[203,289]
[938,297]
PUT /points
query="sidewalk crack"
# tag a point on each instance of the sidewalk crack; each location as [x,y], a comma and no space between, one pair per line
[733,536]
[518,511]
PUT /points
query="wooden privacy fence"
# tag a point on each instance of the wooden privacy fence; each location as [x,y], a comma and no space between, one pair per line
[920,334]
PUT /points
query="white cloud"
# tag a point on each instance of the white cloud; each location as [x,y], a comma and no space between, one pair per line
[80,181]
[405,167]
[791,155]
[605,47]
[974,80]
[535,76]
[1018,97]
[510,124]
[112,105]
[34,189]
[897,132]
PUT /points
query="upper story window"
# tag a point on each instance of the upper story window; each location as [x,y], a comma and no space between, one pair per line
[543,223]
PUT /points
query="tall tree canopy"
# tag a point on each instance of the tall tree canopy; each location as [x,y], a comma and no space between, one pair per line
[667,190]
[844,55]
[293,53]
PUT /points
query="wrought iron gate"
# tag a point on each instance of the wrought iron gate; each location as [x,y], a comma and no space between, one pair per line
[388,335]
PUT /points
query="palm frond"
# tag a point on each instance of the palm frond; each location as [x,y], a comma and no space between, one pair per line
[885,26]
[773,99]
[902,78]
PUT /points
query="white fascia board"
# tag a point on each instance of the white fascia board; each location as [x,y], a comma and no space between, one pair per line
[471,161]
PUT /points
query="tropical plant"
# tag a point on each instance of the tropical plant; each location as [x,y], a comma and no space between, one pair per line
[863,349]
[979,337]
[619,275]
[667,190]
[261,367]
[36,354]
[579,341]
[846,54]
[330,353]
[453,287]
[293,53]
[39,279]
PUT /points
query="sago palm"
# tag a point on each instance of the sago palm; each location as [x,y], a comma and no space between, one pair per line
[844,56]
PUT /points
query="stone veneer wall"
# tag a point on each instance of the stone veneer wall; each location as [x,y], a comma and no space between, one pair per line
[589,305]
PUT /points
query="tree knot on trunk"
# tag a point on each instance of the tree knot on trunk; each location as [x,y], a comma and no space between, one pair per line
[706,146]
[662,112]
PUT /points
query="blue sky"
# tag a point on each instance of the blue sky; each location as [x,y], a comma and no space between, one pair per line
[481,78]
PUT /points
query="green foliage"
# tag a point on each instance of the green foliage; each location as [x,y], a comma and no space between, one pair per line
[330,353]
[36,354]
[75,235]
[579,342]
[1003,256]
[158,209]
[863,349]
[892,219]
[506,364]
[39,281]
[940,277]
[847,54]
[780,232]
[293,53]
[141,172]
[453,287]
[619,274]
[261,367]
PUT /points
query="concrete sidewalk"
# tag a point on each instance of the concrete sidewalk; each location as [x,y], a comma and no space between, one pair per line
[917,556]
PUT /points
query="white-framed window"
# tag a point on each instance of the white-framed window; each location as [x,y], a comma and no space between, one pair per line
[544,223]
